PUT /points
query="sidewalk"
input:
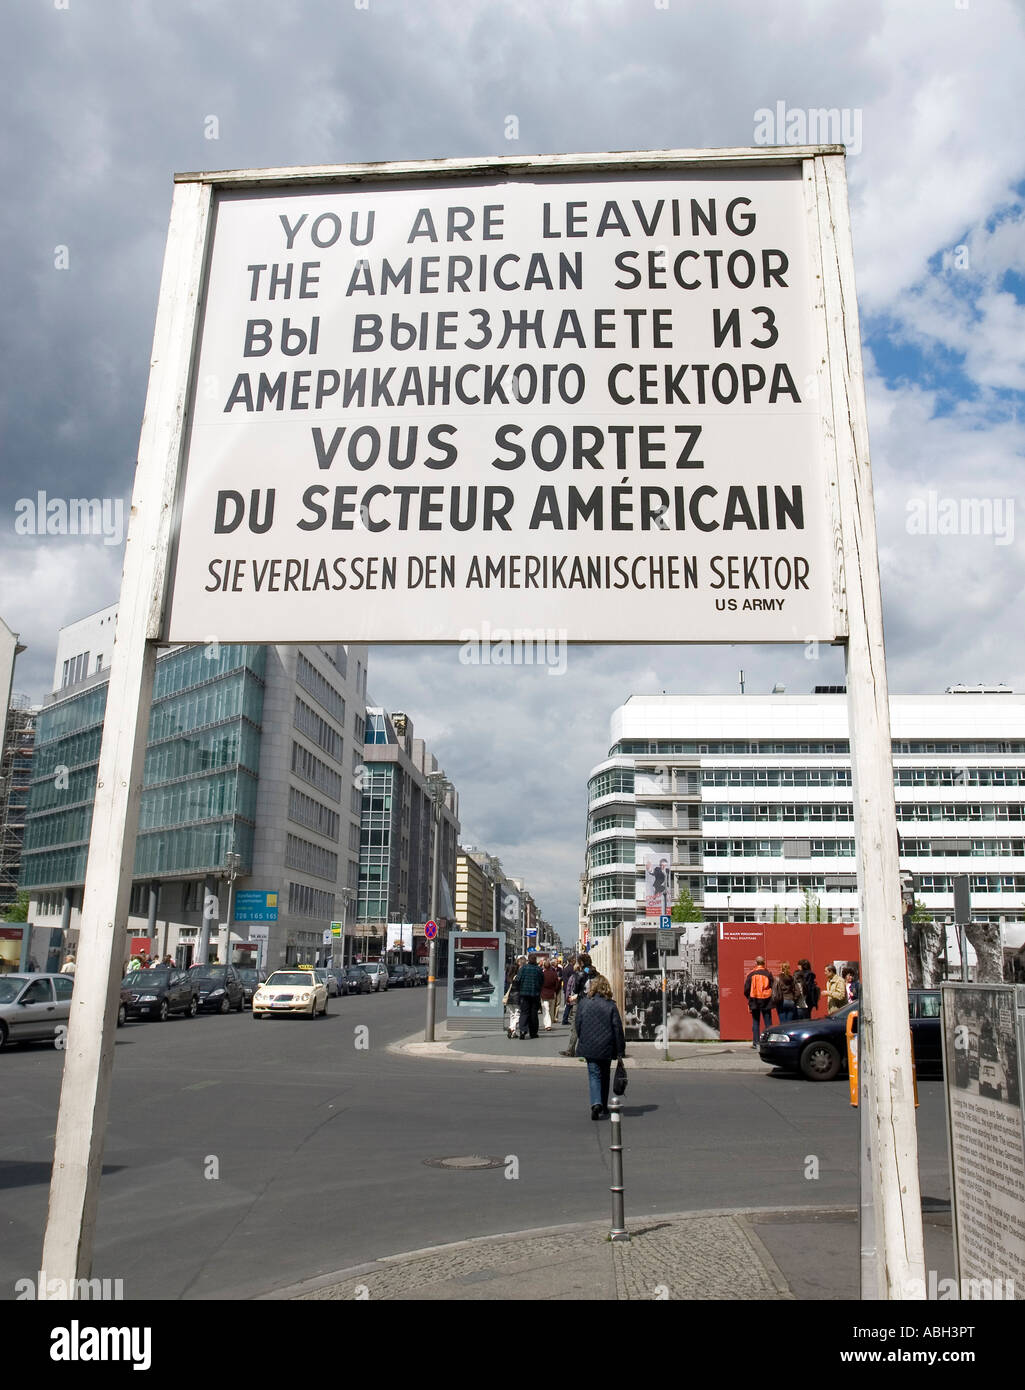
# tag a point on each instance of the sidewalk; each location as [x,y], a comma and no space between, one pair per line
[773,1253]
[494,1047]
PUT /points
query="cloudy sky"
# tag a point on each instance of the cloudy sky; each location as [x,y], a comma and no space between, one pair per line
[104,99]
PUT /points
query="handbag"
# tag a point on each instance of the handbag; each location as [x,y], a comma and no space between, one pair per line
[619,1080]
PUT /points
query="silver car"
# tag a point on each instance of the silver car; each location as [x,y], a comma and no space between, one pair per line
[378,972]
[34,1006]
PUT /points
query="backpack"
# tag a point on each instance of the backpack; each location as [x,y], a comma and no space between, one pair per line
[760,987]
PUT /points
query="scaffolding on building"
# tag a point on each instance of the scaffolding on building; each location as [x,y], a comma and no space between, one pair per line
[15,772]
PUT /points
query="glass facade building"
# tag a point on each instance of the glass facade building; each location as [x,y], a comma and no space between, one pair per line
[199,780]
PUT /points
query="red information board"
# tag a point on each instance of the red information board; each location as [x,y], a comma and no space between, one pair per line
[822,943]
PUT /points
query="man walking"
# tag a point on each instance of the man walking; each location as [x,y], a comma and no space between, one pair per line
[550,985]
[530,981]
[758,993]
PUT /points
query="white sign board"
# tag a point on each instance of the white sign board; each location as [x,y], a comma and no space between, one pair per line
[462,408]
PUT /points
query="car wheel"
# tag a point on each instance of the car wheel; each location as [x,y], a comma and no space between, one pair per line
[313,1008]
[3,1034]
[256,1015]
[162,1012]
[225,1006]
[241,1004]
[193,1008]
[820,1061]
[122,1014]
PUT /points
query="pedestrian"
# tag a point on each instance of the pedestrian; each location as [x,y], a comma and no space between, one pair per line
[512,996]
[529,979]
[550,985]
[809,988]
[851,986]
[582,977]
[68,968]
[600,1040]
[133,965]
[758,993]
[568,971]
[836,991]
[783,994]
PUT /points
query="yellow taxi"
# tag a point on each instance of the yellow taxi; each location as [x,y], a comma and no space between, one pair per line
[294,991]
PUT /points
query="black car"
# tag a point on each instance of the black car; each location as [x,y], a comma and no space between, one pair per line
[357,981]
[158,993]
[219,988]
[818,1046]
[251,980]
[422,972]
[401,977]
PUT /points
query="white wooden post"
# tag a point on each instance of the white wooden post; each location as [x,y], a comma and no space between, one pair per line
[85,1091]
[896,1269]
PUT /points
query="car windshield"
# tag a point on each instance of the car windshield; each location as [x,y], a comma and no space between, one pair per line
[290,977]
[249,975]
[356,971]
[147,977]
[209,972]
[10,988]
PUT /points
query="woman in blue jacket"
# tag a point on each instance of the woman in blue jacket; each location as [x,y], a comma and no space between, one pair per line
[600,1041]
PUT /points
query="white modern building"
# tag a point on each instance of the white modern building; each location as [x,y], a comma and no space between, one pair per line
[746,800]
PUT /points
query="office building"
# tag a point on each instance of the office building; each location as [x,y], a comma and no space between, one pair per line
[253,751]
[746,801]
[410,812]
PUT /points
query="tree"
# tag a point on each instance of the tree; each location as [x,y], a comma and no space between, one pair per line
[18,910]
[685,909]
[811,906]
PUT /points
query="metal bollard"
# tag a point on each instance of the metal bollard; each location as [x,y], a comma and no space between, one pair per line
[619,1231]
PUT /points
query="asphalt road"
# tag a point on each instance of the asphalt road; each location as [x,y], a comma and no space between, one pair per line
[242,1156]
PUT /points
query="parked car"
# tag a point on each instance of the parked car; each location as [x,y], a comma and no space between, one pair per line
[291,992]
[422,972]
[33,1006]
[326,978]
[357,981]
[401,977]
[818,1046]
[336,973]
[160,992]
[378,972]
[219,987]
[251,979]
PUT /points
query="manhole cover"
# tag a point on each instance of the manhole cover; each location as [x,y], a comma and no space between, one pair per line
[465,1162]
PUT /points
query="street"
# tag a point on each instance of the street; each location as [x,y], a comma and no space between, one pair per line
[243,1156]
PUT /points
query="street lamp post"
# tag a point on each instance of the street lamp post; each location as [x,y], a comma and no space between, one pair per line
[232,865]
[438,786]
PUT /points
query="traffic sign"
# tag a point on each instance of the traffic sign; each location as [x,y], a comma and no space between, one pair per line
[664,923]
[431,930]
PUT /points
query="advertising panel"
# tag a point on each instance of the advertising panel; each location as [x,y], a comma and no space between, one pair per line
[10,949]
[560,401]
[982,1072]
[255,905]
[476,974]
